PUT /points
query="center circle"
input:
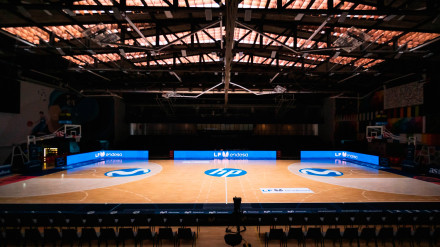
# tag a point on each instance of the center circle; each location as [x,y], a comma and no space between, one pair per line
[225,172]
[127,172]
[321,172]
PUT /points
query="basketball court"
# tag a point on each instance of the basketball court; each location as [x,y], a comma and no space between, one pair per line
[120,181]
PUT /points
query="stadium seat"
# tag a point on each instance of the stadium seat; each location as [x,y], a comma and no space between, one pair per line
[88,235]
[125,233]
[166,234]
[351,234]
[333,234]
[368,234]
[13,237]
[404,234]
[296,233]
[51,235]
[274,234]
[436,235]
[32,235]
[145,234]
[186,234]
[315,234]
[422,234]
[107,235]
[385,234]
[69,236]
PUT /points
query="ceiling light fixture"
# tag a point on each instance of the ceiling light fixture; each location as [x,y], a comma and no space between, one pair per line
[389,17]
[208,14]
[247,15]
[299,17]
[69,12]
[168,14]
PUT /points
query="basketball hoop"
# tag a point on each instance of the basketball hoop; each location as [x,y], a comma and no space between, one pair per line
[370,138]
[77,138]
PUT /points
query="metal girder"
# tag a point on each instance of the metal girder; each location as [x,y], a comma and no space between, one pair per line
[231,15]
[387,11]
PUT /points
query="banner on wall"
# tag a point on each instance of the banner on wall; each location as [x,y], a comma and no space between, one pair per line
[404,95]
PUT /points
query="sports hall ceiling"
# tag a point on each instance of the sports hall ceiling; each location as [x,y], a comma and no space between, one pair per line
[219,54]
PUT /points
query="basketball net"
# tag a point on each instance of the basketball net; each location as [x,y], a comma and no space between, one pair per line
[370,138]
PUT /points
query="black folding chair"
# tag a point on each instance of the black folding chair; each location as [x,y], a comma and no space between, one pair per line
[166,234]
[351,234]
[315,234]
[404,234]
[368,234]
[386,234]
[422,234]
[88,235]
[13,237]
[275,234]
[125,233]
[186,234]
[51,235]
[296,233]
[32,235]
[107,235]
[143,234]
[333,234]
[69,236]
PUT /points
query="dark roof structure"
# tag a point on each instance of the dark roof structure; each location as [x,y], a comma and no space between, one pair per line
[207,58]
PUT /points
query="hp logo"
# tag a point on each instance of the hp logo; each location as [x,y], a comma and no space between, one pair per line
[127,172]
[321,172]
[225,172]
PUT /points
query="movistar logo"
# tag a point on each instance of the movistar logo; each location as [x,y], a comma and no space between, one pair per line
[127,172]
[350,156]
[104,154]
[321,172]
[99,154]
[337,154]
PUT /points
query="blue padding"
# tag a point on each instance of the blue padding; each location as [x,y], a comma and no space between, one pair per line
[350,156]
[233,155]
[106,154]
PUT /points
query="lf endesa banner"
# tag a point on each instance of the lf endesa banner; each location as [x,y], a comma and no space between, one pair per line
[233,155]
[351,156]
[106,154]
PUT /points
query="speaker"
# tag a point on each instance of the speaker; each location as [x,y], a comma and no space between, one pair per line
[233,239]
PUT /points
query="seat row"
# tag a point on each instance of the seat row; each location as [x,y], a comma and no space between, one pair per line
[72,236]
[350,220]
[136,220]
[368,234]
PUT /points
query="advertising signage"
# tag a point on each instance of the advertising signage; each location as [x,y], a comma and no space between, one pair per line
[344,155]
[232,155]
[106,154]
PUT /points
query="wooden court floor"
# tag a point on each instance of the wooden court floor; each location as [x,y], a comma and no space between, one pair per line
[169,181]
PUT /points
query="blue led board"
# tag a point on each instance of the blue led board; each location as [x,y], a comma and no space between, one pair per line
[106,154]
[232,155]
[350,156]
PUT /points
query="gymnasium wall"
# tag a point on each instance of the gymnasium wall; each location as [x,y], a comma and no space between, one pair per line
[15,127]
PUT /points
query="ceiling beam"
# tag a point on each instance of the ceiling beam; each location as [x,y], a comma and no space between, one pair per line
[231,16]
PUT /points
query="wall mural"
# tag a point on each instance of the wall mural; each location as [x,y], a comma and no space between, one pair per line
[405,125]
